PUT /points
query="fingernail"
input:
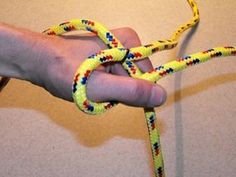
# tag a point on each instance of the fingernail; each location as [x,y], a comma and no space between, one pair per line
[158,96]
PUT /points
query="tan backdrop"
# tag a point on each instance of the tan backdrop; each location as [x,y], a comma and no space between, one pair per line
[43,136]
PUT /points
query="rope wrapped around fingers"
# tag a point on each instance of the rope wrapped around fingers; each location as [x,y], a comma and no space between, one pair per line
[117,53]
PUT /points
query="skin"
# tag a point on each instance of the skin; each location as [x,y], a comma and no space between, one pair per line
[51,61]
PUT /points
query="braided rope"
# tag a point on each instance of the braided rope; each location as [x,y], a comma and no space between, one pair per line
[117,53]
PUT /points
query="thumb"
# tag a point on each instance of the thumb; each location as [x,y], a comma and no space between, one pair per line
[134,92]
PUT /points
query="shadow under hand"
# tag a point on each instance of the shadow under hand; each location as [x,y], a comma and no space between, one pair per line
[88,130]
[92,131]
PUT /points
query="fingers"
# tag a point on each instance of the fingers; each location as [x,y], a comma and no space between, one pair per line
[134,92]
[129,38]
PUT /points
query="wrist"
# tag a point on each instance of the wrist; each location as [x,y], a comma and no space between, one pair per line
[18,52]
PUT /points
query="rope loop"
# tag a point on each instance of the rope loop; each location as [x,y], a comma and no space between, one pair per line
[117,53]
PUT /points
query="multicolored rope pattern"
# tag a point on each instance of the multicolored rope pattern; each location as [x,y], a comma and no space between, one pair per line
[117,53]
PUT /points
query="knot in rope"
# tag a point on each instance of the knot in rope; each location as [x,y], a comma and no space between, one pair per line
[117,53]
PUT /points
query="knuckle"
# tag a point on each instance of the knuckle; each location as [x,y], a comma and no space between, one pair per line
[128,37]
[130,31]
[131,38]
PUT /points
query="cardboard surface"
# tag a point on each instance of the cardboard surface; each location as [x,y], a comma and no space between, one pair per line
[43,136]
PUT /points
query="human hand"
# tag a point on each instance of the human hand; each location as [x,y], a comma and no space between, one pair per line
[108,82]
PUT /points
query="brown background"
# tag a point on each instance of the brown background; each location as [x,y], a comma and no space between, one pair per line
[43,136]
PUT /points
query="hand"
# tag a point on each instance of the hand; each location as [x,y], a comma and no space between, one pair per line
[62,56]
[51,62]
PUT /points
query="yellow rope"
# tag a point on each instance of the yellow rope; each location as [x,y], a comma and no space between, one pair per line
[118,53]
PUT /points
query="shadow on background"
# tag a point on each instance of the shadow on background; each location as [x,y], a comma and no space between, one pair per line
[178,109]
[89,130]
[92,131]
[95,130]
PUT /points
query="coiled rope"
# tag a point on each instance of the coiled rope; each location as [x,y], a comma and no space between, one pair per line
[117,53]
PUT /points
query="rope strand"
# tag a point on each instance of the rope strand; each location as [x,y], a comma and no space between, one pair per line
[127,57]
